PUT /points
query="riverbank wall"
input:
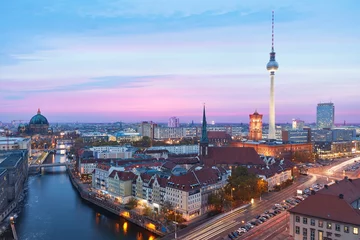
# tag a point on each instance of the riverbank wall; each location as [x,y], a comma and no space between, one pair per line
[130,216]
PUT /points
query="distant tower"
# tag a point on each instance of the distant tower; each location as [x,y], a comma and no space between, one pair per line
[272,66]
[173,122]
[255,126]
[204,141]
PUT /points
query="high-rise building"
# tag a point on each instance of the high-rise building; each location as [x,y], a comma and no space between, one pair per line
[255,126]
[146,129]
[297,124]
[325,115]
[173,122]
[272,67]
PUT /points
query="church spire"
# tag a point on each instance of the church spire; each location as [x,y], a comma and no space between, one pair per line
[204,136]
[204,141]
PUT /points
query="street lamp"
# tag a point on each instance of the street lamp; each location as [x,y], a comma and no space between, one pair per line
[232,189]
[175,223]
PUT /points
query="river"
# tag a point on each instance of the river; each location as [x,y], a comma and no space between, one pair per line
[54,210]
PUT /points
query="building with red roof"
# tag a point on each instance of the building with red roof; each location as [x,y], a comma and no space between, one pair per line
[331,213]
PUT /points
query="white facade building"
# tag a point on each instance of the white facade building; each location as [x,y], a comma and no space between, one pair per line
[178,149]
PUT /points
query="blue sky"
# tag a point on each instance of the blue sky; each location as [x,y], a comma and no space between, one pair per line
[149,60]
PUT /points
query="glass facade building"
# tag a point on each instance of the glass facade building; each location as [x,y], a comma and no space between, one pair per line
[325,114]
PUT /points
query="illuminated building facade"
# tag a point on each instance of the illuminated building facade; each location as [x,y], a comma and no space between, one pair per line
[255,126]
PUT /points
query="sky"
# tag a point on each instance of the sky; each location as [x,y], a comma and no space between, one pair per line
[135,60]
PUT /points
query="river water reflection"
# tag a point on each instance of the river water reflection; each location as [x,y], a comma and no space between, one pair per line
[53,210]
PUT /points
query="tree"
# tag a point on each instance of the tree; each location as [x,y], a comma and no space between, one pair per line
[132,203]
[217,200]
[147,211]
[167,206]
[243,186]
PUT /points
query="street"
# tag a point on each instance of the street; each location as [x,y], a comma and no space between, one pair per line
[275,228]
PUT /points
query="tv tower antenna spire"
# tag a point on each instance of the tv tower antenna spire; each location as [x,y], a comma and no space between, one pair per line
[272,31]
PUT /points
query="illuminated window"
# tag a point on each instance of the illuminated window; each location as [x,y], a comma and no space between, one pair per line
[321,224]
[355,230]
[346,229]
[329,225]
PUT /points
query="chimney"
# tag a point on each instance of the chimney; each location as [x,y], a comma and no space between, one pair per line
[326,186]
[341,196]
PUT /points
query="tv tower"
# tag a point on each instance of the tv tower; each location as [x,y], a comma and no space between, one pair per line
[272,66]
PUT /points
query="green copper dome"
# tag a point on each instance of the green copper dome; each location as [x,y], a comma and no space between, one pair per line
[39,119]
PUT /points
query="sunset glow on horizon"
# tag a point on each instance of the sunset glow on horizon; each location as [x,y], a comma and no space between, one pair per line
[135,61]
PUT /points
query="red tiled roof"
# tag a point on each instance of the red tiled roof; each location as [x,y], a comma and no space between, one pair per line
[162,181]
[328,207]
[145,177]
[233,156]
[185,182]
[191,160]
[327,204]
[103,166]
[168,165]
[218,135]
[194,179]
[272,169]
[350,188]
[207,175]
[123,176]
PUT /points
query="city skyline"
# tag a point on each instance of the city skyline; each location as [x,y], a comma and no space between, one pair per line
[140,62]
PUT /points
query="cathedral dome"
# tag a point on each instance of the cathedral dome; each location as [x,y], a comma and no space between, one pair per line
[39,119]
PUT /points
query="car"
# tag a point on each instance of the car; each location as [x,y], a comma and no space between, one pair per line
[249,225]
[242,230]
[277,211]
[231,236]
[263,219]
[259,221]
[258,216]
[266,212]
[271,214]
[254,223]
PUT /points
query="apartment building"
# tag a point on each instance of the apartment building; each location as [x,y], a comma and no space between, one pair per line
[120,185]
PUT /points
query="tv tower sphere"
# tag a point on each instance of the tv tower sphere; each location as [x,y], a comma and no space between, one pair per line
[272,65]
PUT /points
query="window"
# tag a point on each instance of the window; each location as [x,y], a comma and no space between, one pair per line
[312,222]
[355,231]
[337,227]
[297,230]
[320,235]
[304,220]
[321,224]
[297,219]
[329,225]
[346,229]
[305,232]
[312,234]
